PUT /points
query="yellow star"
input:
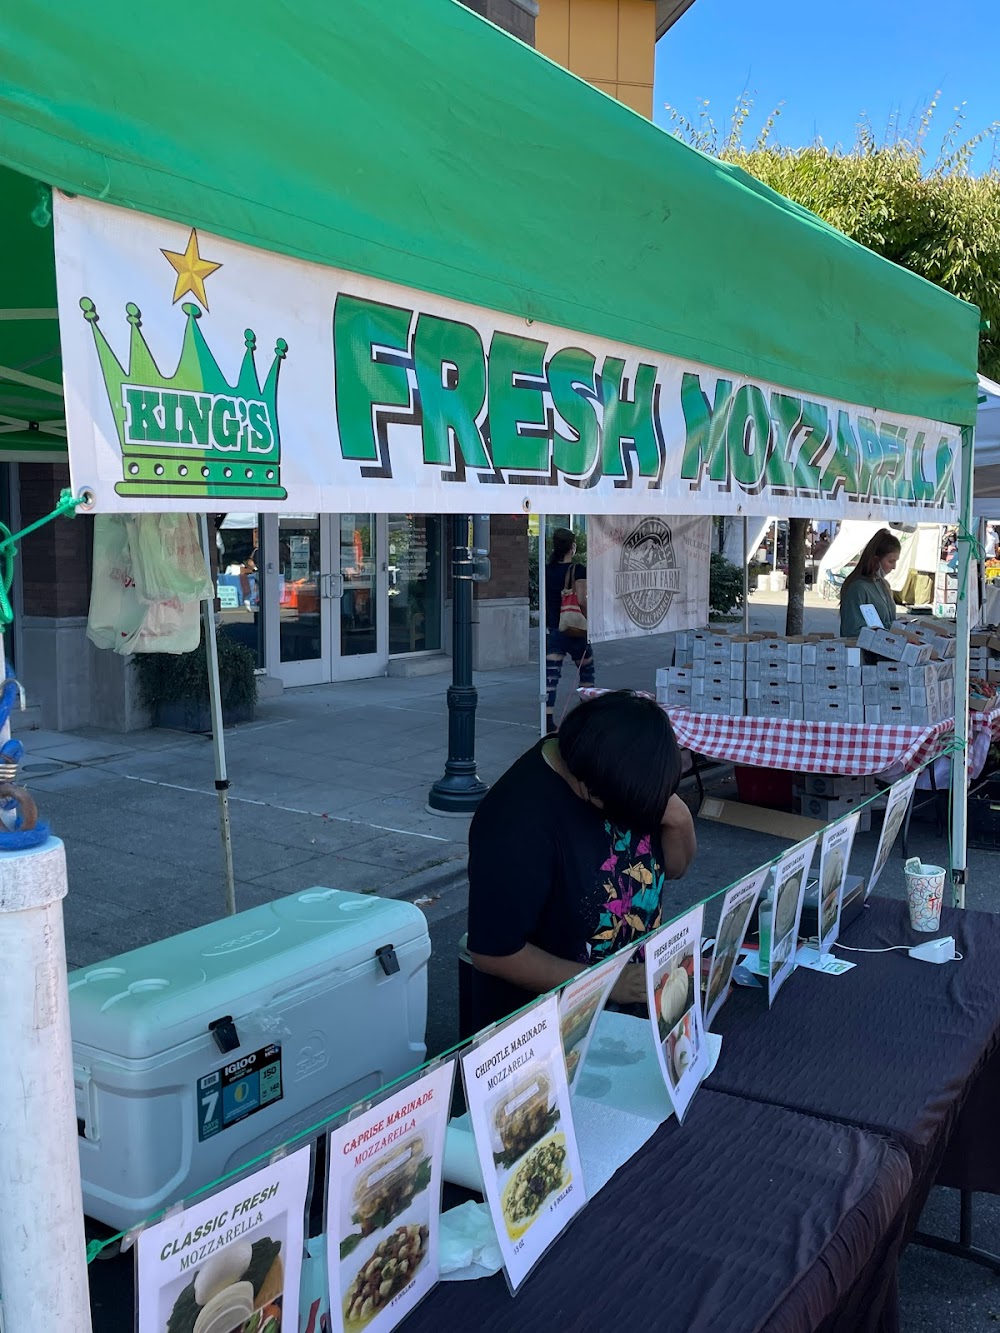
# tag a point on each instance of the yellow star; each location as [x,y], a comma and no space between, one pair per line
[191,270]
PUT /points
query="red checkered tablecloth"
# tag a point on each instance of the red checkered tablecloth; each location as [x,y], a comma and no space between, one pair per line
[814,747]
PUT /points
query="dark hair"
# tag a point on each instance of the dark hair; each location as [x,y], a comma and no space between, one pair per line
[621,746]
[563,541]
[882,544]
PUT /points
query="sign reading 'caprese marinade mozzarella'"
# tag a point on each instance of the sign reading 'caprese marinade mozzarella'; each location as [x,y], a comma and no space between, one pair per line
[203,375]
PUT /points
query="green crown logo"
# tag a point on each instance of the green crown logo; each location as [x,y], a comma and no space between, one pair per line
[192,433]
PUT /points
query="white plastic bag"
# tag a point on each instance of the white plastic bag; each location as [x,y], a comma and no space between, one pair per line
[167,558]
[116,610]
[167,627]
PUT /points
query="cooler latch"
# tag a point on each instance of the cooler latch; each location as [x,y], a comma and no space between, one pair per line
[388,960]
[224,1031]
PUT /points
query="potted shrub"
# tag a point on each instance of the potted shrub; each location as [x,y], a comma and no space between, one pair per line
[174,687]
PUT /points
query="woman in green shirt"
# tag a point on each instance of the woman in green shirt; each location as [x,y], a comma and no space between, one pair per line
[866,585]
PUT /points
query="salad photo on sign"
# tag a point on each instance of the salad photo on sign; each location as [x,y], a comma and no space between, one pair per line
[737,909]
[230,1263]
[519,1104]
[790,875]
[384,1204]
[580,1005]
[673,984]
[834,859]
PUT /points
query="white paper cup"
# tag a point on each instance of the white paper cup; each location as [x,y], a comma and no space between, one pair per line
[924,893]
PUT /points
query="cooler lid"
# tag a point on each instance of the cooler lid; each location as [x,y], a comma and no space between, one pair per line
[156,998]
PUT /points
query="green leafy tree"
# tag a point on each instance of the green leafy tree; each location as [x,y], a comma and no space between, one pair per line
[937,218]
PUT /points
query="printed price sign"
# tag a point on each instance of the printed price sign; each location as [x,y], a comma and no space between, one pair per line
[519,1104]
[673,985]
[241,1088]
[231,1261]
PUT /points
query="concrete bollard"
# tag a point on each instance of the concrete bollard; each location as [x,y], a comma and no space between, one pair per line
[43,1264]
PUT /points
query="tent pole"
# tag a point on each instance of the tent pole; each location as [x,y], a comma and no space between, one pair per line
[218,739]
[960,758]
[774,549]
[542,682]
[746,577]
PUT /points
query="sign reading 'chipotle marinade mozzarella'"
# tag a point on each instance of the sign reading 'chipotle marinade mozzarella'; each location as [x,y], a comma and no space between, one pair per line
[519,1105]
[202,374]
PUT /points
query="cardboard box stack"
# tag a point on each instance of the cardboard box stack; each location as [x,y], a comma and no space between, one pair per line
[709,673]
[913,681]
[828,796]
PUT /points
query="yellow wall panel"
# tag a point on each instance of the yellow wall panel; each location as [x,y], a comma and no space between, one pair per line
[593,39]
[552,30]
[639,96]
[636,40]
[610,43]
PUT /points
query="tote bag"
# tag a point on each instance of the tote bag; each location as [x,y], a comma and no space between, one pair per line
[572,621]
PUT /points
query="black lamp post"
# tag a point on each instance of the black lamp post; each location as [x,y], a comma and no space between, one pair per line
[461,789]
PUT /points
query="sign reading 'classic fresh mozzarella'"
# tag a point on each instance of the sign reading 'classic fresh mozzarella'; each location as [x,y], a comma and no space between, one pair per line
[202,374]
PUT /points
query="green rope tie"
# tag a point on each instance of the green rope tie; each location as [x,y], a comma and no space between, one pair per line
[68,505]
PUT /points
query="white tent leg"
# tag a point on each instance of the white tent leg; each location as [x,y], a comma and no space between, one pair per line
[542,682]
[746,578]
[959,762]
[218,737]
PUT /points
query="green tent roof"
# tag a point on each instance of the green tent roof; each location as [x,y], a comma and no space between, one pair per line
[419,144]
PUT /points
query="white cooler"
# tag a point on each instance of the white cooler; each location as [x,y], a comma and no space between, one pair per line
[327,993]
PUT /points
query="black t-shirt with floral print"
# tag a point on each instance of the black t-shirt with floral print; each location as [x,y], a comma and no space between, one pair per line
[547,868]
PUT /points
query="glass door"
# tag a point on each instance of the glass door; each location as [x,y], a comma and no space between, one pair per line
[359,594]
[326,593]
[301,559]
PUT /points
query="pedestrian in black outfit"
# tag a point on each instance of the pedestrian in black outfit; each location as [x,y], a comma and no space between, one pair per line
[563,571]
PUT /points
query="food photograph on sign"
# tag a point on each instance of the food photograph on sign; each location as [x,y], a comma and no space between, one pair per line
[388,1256]
[529,1150]
[786,906]
[736,909]
[238,1289]
[574,1026]
[673,991]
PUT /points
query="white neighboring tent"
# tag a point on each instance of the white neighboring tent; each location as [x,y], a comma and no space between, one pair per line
[986,477]
[921,549]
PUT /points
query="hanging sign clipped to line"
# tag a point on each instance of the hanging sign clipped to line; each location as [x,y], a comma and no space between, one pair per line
[228,1260]
[737,911]
[383,1207]
[673,987]
[519,1104]
[790,875]
[580,1006]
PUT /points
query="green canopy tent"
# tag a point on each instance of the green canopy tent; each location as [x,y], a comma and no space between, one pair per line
[433,160]
[418,146]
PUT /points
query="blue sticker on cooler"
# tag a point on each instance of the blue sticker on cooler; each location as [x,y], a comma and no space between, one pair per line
[249,1083]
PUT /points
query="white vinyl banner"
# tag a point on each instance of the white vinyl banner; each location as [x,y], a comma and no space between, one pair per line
[205,375]
[646,575]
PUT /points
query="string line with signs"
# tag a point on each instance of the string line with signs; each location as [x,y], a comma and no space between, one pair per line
[97,1246]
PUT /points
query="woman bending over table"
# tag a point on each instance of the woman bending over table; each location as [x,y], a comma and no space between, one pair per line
[866,585]
[569,853]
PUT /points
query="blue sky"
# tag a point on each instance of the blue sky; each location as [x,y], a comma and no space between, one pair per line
[830,62]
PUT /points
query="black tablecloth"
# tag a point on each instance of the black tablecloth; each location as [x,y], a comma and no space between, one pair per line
[746,1218]
[905,1048]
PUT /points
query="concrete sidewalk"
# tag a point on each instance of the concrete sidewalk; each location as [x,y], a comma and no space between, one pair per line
[329,787]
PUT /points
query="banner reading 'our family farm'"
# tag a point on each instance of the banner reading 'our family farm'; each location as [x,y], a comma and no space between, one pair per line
[204,375]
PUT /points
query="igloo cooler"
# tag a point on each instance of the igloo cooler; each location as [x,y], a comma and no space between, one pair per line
[197,1054]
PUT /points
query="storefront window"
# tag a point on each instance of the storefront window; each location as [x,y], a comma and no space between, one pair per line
[415,583]
[241,562]
[299,614]
[358,609]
